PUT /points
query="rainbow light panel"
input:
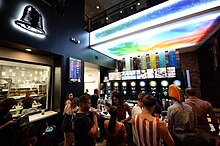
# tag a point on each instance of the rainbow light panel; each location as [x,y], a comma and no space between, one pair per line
[186,23]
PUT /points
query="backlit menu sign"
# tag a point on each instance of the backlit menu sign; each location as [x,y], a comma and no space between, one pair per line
[74,70]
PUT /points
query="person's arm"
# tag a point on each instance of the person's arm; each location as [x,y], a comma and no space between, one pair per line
[124,134]
[170,121]
[214,120]
[166,134]
[128,109]
[94,130]
[192,120]
[67,106]
[8,124]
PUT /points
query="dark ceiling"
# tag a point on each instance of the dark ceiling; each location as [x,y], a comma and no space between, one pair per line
[91,6]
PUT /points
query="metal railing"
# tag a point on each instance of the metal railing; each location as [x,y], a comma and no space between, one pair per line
[117,12]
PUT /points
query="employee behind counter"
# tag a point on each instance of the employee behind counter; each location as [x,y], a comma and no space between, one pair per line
[27,101]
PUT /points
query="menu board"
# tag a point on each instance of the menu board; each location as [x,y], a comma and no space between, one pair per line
[168,72]
[128,75]
[171,72]
[160,73]
[75,70]
[114,76]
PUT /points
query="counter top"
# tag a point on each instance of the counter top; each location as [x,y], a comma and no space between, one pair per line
[39,116]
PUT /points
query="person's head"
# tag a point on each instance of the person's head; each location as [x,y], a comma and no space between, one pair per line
[75,102]
[6,105]
[85,102]
[113,112]
[118,99]
[69,96]
[96,91]
[175,93]
[27,95]
[140,98]
[149,102]
[190,92]
[112,93]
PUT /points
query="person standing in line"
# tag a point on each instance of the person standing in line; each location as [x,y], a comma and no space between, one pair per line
[110,101]
[149,130]
[201,109]
[123,107]
[181,118]
[157,111]
[94,99]
[137,109]
[115,131]
[69,98]
[85,123]
[67,122]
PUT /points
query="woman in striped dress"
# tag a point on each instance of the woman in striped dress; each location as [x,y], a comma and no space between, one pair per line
[148,130]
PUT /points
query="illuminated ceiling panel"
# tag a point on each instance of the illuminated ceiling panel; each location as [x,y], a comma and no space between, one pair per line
[170,25]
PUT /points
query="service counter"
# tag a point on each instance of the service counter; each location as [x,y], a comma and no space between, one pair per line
[41,116]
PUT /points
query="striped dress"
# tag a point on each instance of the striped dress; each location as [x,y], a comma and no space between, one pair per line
[147,132]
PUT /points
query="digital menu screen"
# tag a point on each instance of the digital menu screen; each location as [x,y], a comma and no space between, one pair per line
[128,75]
[114,76]
[75,70]
[160,73]
[171,72]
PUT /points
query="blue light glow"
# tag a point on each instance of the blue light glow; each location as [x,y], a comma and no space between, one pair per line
[159,14]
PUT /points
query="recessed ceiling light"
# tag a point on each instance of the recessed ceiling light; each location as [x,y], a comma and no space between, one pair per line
[121,11]
[131,7]
[138,4]
[97,7]
[106,18]
[28,49]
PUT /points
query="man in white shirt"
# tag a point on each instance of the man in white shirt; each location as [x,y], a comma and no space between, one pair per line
[137,109]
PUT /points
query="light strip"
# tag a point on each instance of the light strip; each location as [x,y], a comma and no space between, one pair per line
[124,28]
[150,33]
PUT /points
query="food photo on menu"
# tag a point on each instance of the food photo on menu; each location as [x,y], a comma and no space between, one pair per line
[171,72]
[160,73]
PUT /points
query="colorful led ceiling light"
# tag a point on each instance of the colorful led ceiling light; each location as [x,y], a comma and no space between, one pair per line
[172,25]
[181,34]
[170,10]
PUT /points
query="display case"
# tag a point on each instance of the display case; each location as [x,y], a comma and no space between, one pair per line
[5,85]
[17,78]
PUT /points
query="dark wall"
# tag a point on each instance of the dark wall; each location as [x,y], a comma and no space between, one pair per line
[189,61]
[209,66]
[59,29]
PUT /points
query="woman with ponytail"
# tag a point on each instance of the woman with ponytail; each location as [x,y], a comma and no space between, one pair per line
[115,131]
